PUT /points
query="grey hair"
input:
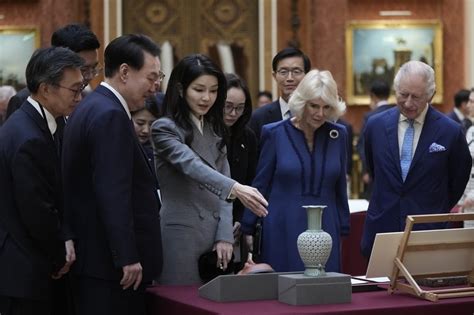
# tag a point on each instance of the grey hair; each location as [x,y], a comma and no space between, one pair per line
[417,68]
[47,66]
[317,84]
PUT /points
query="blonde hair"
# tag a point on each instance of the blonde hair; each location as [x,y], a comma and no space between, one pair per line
[317,84]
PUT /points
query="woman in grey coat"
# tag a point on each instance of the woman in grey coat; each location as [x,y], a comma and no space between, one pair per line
[191,162]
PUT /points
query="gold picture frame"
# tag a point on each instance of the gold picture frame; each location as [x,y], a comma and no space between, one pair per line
[18,44]
[376,49]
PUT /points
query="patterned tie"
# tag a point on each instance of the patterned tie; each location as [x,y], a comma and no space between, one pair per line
[407,149]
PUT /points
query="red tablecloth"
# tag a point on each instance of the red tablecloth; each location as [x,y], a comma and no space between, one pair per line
[353,263]
[185,300]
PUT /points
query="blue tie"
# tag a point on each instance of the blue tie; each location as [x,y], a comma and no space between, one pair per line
[407,149]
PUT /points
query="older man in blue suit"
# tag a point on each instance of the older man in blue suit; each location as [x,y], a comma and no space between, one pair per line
[31,207]
[418,158]
[110,192]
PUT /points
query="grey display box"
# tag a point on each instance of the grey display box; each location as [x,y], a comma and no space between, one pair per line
[297,289]
[233,288]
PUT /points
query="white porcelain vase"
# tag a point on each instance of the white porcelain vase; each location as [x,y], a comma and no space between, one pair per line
[314,245]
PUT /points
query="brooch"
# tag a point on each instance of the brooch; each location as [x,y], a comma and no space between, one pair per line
[334,134]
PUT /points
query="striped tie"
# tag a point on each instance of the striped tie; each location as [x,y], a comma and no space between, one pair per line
[407,149]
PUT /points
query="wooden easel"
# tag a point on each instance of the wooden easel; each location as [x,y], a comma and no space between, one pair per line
[400,271]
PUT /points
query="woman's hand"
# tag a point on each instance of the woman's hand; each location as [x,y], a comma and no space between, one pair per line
[468,203]
[224,253]
[236,231]
[251,198]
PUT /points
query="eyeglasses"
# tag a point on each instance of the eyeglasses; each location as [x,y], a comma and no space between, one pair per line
[76,92]
[296,72]
[228,108]
[159,78]
[88,72]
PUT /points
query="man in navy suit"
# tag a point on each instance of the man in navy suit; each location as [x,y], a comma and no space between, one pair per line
[418,158]
[111,201]
[289,67]
[379,94]
[31,250]
[461,112]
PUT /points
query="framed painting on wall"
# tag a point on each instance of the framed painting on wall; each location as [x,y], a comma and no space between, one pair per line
[17,44]
[376,49]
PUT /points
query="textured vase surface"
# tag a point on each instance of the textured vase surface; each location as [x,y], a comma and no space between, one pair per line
[314,244]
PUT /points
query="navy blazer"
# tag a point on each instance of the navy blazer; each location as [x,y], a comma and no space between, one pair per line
[264,115]
[111,202]
[30,206]
[436,179]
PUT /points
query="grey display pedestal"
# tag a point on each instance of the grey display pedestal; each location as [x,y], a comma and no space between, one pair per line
[297,289]
[233,288]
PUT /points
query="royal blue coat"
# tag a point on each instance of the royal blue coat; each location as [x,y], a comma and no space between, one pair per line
[290,176]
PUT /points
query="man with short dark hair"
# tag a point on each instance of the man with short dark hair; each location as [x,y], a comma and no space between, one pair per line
[31,251]
[79,39]
[461,112]
[418,158]
[289,67]
[110,192]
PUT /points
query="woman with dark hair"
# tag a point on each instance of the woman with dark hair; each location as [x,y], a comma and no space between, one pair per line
[241,141]
[142,120]
[191,161]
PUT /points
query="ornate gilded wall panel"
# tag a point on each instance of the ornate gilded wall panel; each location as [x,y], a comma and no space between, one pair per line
[201,26]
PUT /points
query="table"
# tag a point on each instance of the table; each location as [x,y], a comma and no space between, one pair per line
[185,300]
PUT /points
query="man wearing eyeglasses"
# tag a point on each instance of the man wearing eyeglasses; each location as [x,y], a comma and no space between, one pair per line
[110,191]
[289,67]
[82,41]
[32,253]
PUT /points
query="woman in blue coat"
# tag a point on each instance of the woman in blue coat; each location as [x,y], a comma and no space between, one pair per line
[303,162]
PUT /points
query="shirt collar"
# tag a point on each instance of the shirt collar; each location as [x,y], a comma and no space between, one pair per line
[52,126]
[420,119]
[198,122]
[283,107]
[119,96]
[381,103]
[459,113]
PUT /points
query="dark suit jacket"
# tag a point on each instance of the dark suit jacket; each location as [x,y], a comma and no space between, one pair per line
[30,206]
[435,181]
[360,142]
[242,157]
[17,100]
[111,202]
[264,115]
[350,138]
[453,116]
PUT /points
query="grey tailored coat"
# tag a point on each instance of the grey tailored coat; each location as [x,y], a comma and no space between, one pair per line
[195,184]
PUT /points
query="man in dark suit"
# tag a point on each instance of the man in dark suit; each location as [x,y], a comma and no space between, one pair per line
[379,93]
[111,201]
[289,67]
[418,158]
[460,113]
[31,251]
[79,39]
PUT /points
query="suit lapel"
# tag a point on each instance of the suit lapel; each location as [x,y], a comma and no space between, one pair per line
[274,113]
[392,136]
[205,145]
[40,122]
